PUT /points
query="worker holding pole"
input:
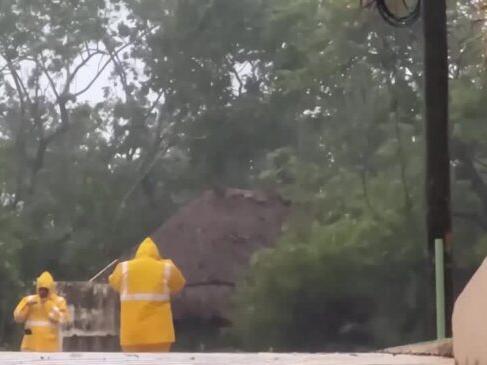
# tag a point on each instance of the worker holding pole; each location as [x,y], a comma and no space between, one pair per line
[146,284]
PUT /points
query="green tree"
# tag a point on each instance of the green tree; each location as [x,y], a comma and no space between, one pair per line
[355,177]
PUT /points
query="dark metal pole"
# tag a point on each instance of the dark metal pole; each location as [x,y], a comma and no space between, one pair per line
[437,151]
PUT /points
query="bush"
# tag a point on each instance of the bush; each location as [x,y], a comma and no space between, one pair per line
[350,285]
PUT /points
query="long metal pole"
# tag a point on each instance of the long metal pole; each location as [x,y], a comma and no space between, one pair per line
[440,290]
[437,151]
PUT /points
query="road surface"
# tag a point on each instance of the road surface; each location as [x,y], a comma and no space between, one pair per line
[17,358]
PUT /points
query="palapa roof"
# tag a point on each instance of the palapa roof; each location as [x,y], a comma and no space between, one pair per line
[212,238]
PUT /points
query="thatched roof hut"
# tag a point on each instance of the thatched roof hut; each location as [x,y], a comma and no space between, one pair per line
[212,239]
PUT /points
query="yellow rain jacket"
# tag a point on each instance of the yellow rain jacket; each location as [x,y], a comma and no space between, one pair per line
[42,318]
[145,285]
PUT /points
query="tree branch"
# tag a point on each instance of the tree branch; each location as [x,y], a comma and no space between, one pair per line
[38,162]
[231,66]
[141,175]
[402,160]
[365,190]
[42,65]
[20,137]
[120,71]
[90,84]
[101,70]
[154,105]
[78,68]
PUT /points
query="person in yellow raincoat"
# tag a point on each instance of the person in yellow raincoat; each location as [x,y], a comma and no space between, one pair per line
[145,285]
[42,314]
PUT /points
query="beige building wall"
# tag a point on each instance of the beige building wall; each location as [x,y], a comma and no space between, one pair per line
[470,321]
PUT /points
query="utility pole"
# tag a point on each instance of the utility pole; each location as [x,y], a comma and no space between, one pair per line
[437,150]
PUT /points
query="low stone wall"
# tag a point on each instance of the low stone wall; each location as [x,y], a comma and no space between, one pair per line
[94,308]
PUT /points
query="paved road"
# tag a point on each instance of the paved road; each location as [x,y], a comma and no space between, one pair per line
[17,358]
